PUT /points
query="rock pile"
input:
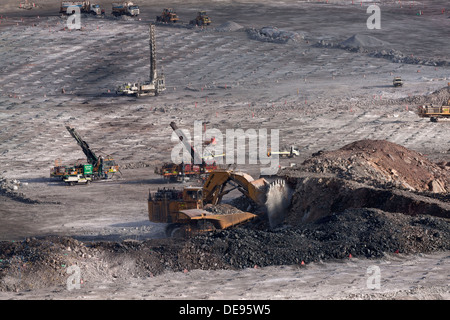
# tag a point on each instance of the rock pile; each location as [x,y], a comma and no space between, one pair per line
[362,41]
[37,263]
[11,188]
[379,49]
[273,34]
[229,26]
[379,163]
[367,174]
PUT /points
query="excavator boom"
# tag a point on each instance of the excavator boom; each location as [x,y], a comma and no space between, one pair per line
[215,186]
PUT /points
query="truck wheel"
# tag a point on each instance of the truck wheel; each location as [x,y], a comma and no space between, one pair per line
[434,119]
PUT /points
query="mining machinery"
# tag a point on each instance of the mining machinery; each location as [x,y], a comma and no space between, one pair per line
[434,112]
[397,82]
[198,168]
[184,210]
[156,83]
[167,16]
[202,19]
[98,167]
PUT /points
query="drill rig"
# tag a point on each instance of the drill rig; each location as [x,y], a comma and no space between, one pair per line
[198,168]
[435,112]
[156,83]
[98,167]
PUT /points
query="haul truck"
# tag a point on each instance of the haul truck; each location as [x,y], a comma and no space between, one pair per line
[85,7]
[125,8]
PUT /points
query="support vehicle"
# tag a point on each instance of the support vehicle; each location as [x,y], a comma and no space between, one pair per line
[125,8]
[79,175]
[167,16]
[291,153]
[202,19]
[85,7]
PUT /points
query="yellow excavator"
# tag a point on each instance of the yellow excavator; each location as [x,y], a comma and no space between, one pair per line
[183,210]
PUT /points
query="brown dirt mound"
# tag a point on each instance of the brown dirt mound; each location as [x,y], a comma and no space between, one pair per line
[380,163]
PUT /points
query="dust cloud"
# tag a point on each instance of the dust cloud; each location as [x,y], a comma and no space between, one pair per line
[278,200]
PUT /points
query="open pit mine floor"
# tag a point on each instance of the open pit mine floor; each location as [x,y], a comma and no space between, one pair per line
[369,190]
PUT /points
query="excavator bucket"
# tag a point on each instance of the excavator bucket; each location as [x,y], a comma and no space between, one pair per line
[278,200]
[277,184]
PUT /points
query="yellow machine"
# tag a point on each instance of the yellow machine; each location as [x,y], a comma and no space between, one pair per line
[201,19]
[102,167]
[167,16]
[434,113]
[397,82]
[183,209]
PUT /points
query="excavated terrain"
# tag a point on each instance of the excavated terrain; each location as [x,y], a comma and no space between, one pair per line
[368,174]
[331,217]
[360,233]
